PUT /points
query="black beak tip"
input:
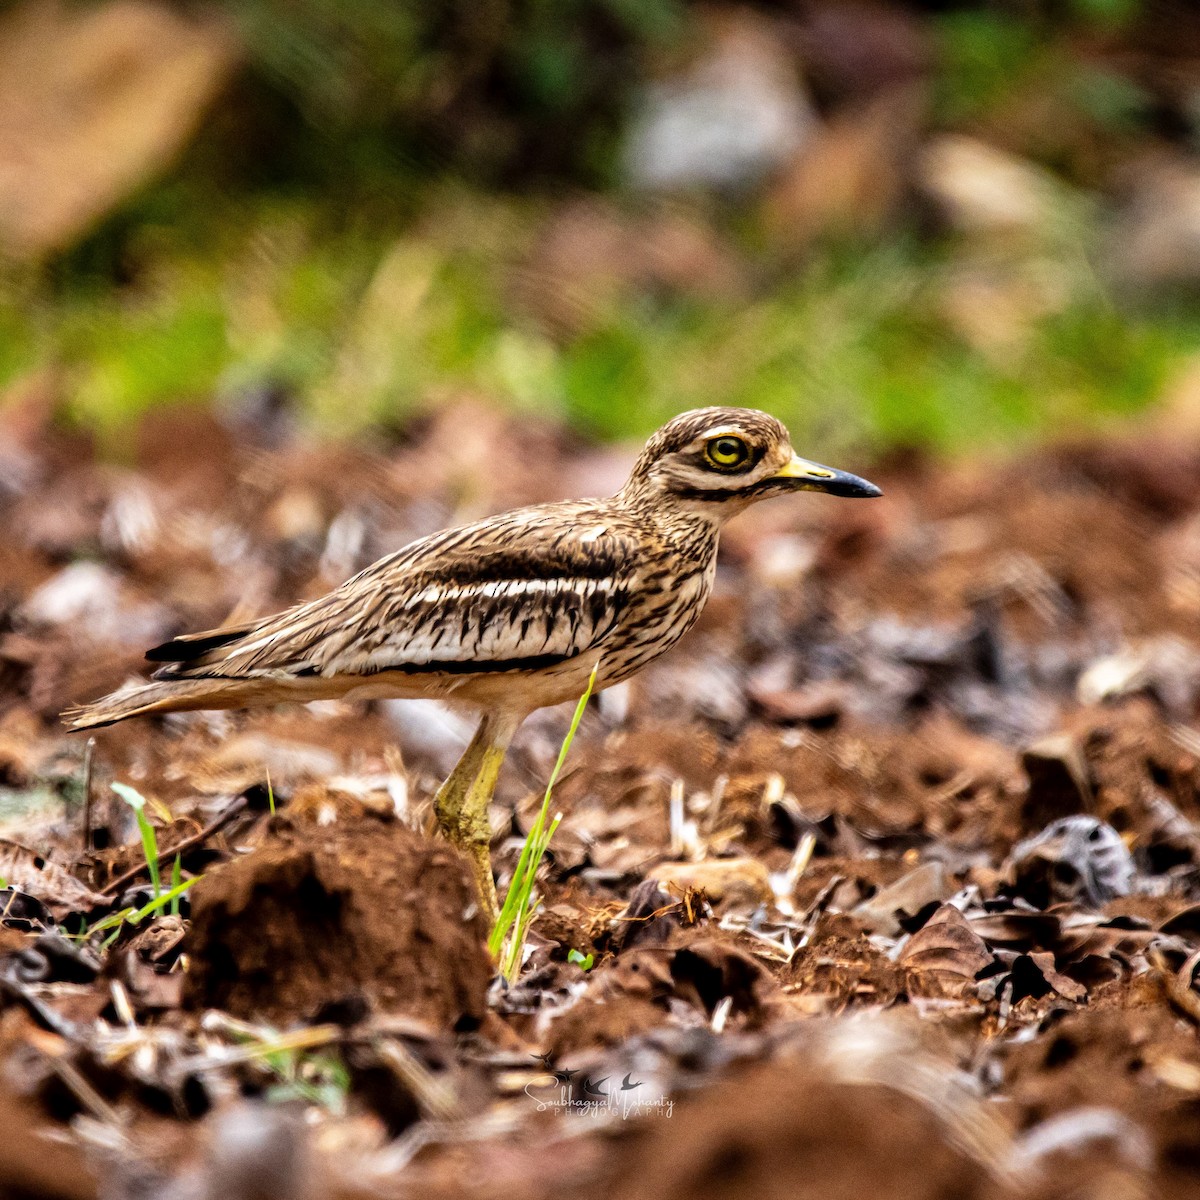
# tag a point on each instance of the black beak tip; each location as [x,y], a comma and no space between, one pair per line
[854,487]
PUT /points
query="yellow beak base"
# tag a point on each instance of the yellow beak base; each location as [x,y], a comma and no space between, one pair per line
[806,476]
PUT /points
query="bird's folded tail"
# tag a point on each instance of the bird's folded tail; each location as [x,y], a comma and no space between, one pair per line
[137,700]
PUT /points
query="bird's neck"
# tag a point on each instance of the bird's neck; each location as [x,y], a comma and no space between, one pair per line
[691,528]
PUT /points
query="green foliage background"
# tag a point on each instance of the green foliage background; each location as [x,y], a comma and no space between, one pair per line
[345,229]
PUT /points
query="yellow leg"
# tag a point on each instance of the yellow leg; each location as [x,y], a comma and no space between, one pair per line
[462,801]
[475,826]
[448,803]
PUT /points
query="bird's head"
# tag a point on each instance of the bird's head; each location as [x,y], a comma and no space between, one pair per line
[717,461]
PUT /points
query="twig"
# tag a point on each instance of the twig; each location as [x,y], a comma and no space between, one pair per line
[83,1091]
[89,753]
[214,826]
[721,1014]
[310,1038]
[676,818]
[46,1016]
[801,857]
[435,1098]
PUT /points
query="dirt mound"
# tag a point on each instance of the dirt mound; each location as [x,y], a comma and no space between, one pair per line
[784,1130]
[840,967]
[1126,1055]
[365,911]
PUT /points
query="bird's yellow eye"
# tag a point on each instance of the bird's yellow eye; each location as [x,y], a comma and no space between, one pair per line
[726,453]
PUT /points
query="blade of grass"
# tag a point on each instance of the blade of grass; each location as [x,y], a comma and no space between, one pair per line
[134,916]
[169,897]
[137,802]
[176,880]
[519,906]
[112,921]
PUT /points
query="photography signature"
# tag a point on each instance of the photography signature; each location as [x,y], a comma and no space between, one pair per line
[570,1090]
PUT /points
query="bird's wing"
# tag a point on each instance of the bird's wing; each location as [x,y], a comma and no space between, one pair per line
[516,591]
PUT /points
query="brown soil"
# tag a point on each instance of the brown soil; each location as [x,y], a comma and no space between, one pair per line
[379,917]
[782,1130]
[840,967]
[33,1167]
[811,891]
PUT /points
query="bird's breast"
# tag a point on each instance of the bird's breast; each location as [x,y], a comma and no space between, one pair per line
[660,612]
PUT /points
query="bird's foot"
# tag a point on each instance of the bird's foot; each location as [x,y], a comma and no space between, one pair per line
[462,803]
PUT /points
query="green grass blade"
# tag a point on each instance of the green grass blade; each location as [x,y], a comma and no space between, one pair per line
[132,916]
[112,921]
[137,802]
[167,898]
[518,908]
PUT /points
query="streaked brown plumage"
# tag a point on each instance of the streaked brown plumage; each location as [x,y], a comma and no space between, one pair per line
[507,614]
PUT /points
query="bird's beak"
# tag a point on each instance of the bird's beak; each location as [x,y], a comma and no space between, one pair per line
[805,476]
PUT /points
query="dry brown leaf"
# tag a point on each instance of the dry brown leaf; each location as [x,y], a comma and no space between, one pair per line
[1017,929]
[946,951]
[851,173]
[906,897]
[27,871]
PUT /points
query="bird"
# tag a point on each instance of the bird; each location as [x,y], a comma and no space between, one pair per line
[506,615]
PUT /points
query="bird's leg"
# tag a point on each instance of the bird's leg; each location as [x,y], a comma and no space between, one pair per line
[475,826]
[462,801]
[448,802]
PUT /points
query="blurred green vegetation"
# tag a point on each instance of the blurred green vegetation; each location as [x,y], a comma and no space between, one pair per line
[344,270]
[853,348]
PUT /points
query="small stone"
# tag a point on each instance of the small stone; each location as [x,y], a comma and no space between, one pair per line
[980,189]
[731,118]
